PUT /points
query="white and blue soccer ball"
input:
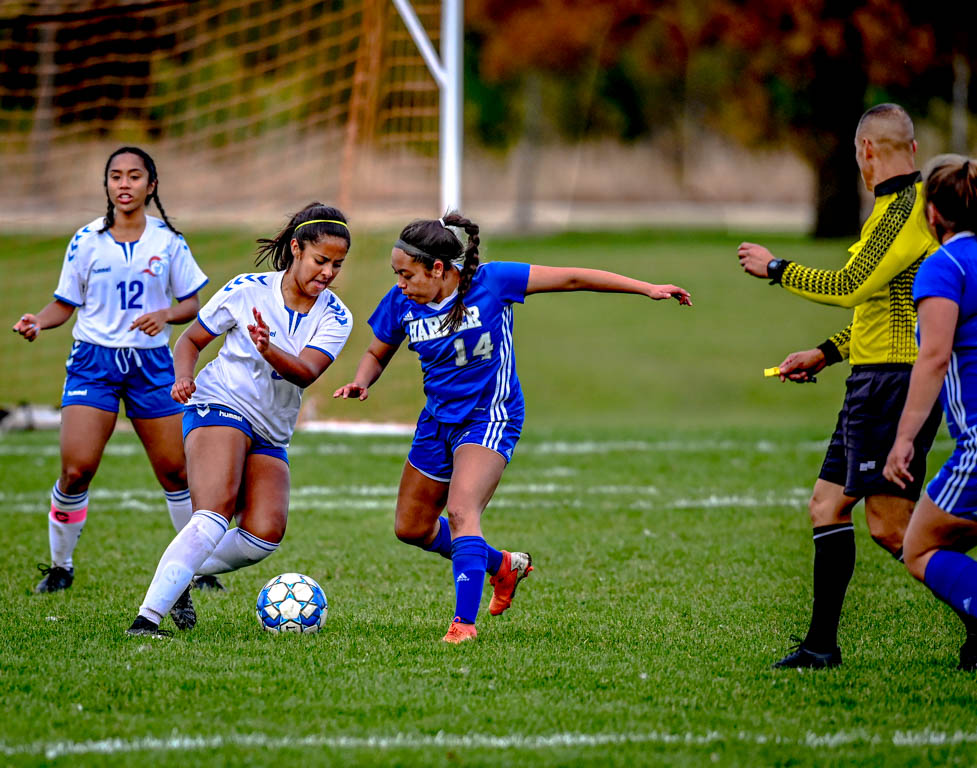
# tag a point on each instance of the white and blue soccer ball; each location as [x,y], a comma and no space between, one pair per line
[292,603]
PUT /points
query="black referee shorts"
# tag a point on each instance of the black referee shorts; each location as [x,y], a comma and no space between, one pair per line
[866,431]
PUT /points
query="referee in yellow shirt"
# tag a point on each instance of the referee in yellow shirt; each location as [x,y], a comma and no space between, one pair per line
[880,344]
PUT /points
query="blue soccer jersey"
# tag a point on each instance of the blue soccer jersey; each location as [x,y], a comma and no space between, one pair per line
[951,273]
[114,283]
[469,373]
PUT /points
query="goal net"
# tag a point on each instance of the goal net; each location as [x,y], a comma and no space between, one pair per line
[250,107]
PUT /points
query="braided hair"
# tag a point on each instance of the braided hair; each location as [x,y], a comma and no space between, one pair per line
[322,220]
[153,177]
[428,242]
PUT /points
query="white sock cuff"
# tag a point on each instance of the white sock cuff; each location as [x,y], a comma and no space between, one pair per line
[209,523]
[249,538]
[183,495]
[68,503]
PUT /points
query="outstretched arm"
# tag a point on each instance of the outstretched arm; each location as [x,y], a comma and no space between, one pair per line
[556,279]
[876,261]
[372,364]
[937,327]
[54,314]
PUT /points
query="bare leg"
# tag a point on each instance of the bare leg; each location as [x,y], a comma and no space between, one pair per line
[419,503]
[84,433]
[163,440]
[887,518]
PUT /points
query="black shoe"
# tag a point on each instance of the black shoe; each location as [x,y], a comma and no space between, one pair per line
[55,578]
[804,658]
[207,582]
[968,654]
[144,627]
[182,612]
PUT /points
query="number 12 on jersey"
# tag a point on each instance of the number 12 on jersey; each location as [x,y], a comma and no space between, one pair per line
[135,293]
[483,349]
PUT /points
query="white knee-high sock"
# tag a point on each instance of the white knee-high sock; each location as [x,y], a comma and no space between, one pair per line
[65,523]
[178,503]
[180,562]
[238,549]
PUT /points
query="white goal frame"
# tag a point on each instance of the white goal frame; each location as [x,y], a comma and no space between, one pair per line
[448,74]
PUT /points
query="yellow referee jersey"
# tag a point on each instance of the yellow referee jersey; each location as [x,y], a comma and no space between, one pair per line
[878,278]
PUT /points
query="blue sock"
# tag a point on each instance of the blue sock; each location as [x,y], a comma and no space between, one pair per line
[494,560]
[952,577]
[468,559]
[442,540]
[442,546]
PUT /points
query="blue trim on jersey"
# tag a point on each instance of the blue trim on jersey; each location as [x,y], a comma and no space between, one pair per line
[318,349]
[66,301]
[195,290]
[204,326]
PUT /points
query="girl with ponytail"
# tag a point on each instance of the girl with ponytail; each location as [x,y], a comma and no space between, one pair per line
[944,524]
[282,330]
[456,314]
[131,277]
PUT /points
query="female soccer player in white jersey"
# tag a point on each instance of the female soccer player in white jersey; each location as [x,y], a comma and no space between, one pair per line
[122,273]
[281,331]
[459,322]
[944,524]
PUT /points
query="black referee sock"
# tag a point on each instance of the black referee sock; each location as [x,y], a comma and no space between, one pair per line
[834,563]
[970,623]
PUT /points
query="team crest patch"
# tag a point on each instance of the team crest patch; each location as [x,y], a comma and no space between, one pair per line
[155,266]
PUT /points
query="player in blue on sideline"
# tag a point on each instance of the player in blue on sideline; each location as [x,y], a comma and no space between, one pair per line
[944,524]
[122,272]
[457,316]
[281,331]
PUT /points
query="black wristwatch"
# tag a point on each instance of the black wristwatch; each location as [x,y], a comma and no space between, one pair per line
[775,269]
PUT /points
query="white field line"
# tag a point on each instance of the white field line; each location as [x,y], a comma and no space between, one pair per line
[378,497]
[811,740]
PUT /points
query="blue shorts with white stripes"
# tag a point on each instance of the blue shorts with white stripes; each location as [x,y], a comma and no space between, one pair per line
[434,446]
[954,489]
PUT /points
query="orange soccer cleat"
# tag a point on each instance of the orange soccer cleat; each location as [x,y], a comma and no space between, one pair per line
[515,567]
[459,632]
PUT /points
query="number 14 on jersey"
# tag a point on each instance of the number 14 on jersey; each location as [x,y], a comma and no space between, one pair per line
[483,349]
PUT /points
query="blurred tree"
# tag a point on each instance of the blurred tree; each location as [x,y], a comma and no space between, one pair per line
[807,71]
[762,71]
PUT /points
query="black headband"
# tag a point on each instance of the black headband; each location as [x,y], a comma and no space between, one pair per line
[414,251]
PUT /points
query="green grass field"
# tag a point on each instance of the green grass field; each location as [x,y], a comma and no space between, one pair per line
[661,486]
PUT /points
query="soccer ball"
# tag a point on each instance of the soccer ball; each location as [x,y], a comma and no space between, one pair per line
[292,603]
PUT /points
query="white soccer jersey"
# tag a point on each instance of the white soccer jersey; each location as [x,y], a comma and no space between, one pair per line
[239,377]
[113,283]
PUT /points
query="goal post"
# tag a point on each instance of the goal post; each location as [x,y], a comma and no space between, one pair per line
[448,73]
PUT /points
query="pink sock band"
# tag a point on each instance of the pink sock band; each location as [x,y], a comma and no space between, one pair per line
[68,517]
